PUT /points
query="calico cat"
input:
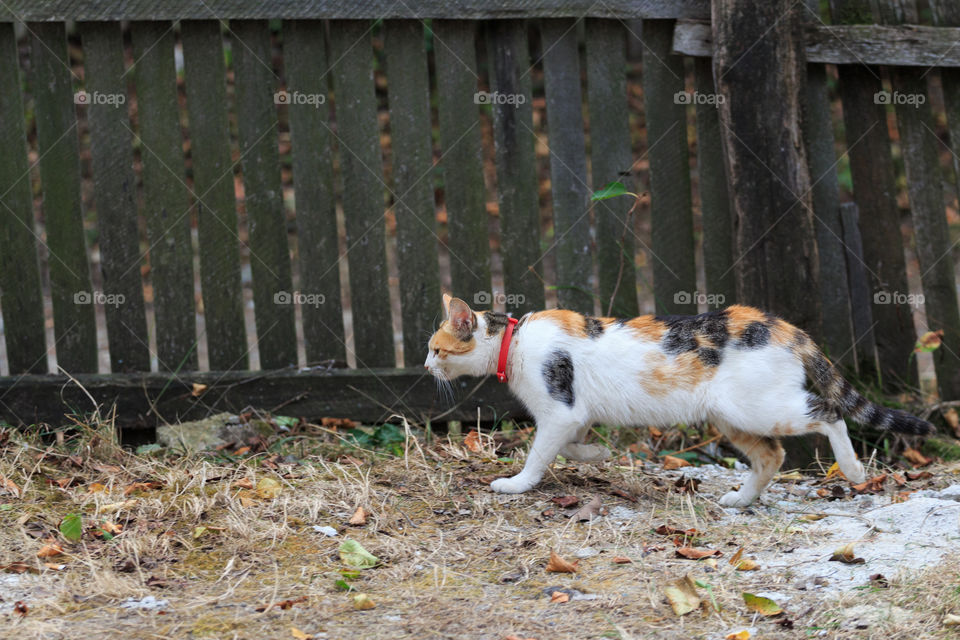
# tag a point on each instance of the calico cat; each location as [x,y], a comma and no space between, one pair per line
[740,369]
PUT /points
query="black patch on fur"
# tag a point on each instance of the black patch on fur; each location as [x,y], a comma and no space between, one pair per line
[558,373]
[708,356]
[593,327]
[820,409]
[683,331]
[496,321]
[755,335]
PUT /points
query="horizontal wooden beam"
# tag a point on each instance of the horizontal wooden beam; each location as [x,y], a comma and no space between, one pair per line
[902,45]
[143,400]
[85,10]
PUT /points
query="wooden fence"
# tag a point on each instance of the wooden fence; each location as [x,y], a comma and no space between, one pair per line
[120,197]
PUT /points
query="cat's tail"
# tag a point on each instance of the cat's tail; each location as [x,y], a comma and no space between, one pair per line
[838,398]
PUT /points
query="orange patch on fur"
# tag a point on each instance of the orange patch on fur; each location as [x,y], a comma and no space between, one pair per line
[449,343]
[663,374]
[571,322]
[648,327]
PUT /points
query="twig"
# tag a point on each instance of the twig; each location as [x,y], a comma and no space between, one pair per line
[869,522]
[699,444]
[940,405]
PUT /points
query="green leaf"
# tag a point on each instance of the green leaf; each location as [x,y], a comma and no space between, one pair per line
[342,585]
[149,449]
[71,527]
[107,536]
[763,606]
[286,421]
[354,555]
[612,190]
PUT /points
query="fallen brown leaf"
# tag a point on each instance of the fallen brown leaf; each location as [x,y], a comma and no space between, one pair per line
[359,517]
[198,389]
[682,595]
[687,485]
[899,479]
[846,555]
[284,604]
[916,458]
[556,564]
[559,597]
[621,560]
[242,451]
[111,528]
[692,553]
[10,486]
[19,567]
[141,486]
[919,475]
[20,608]
[472,442]
[667,530]
[242,483]
[670,463]
[588,511]
[362,602]
[565,501]
[50,550]
[337,423]
[300,635]
[878,580]
[623,493]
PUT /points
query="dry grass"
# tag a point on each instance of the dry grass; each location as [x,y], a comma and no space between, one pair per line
[458,560]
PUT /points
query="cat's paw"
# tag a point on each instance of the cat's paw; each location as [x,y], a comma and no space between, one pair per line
[856,475]
[511,485]
[735,499]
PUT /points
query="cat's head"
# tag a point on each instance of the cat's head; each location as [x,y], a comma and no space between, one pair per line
[462,346]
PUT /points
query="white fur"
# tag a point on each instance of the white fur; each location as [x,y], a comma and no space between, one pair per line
[755,391]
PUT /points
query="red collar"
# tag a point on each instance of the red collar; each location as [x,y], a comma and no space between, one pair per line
[505,349]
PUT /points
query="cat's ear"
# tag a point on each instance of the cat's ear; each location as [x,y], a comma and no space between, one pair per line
[462,320]
[446,303]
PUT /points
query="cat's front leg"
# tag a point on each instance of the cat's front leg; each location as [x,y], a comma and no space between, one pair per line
[551,437]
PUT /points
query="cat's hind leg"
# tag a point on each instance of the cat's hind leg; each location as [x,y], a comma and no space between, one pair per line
[766,456]
[582,452]
[843,450]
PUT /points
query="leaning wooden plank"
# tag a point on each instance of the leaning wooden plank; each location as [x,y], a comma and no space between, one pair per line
[20,296]
[513,142]
[308,76]
[361,167]
[370,395]
[861,294]
[568,165]
[947,13]
[413,206]
[919,144]
[611,160]
[58,146]
[18,10]
[114,192]
[461,162]
[256,109]
[874,190]
[671,209]
[216,207]
[714,199]
[906,45]
[165,202]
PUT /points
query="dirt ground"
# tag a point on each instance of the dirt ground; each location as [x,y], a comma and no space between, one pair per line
[244,541]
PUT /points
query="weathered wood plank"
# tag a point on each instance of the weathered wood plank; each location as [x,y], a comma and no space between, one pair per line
[461,161]
[305,58]
[20,295]
[165,202]
[568,165]
[611,160]
[861,294]
[361,168]
[919,145]
[213,189]
[513,141]
[947,13]
[52,10]
[858,44]
[263,197]
[712,183]
[371,396]
[413,206]
[114,192]
[59,149]
[671,208]
[874,190]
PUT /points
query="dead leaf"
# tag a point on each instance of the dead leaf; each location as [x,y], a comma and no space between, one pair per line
[901,496]
[117,506]
[919,475]
[565,501]
[246,499]
[812,517]
[621,560]
[242,483]
[472,442]
[747,564]
[111,528]
[198,389]
[20,608]
[141,486]
[96,487]
[559,597]
[359,517]
[300,635]
[951,620]
[682,595]
[362,602]
[268,488]
[623,493]
[64,483]
[735,558]
[793,476]
[50,550]
[878,580]
[10,486]
[687,485]
[739,635]
[692,553]
[19,567]
[899,479]
[667,530]
[833,471]
[242,451]
[557,564]
[588,511]
[158,582]
[916,458]
[761,605]
[54,567]
[654,432]
[846,555]
[513,637]
[930,341]
[670,463]
[337,423]
[284,604]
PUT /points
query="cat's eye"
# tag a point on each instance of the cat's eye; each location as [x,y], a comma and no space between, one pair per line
[436,352]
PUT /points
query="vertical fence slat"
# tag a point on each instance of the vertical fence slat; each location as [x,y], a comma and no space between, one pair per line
[568,164]
[409,93]
[307,72]
[712,184]
[513,140]
[822,160]
[461,161]
[263,197]
[361,166]
[165,202]
[20,294]
[671,210]
[205,82]
[919,144]
[859,283]
[946,13]
[58,146]
[114,192]
[611,160]
[874,190]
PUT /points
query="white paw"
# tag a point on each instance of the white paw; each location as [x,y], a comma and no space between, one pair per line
[735,499]
[856,476]
[511,485]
